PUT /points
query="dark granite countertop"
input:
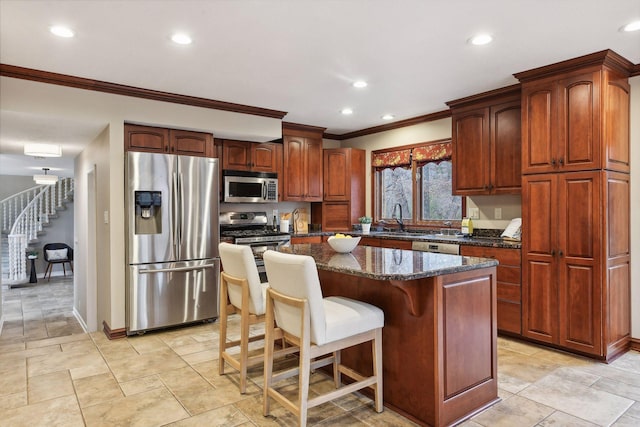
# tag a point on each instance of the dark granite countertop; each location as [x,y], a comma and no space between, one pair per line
[388,264]
[484,241]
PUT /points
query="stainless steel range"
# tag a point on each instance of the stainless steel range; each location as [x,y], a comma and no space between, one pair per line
[253,229]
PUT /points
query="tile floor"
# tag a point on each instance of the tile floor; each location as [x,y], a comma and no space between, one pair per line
[53,374]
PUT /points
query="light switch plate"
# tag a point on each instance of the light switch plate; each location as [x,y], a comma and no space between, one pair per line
[474,213]
[497,213]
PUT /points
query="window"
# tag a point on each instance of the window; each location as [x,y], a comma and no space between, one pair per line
[418,179]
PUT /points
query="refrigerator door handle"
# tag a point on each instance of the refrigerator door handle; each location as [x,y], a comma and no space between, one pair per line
[180,206]
[174,207]
[169,270]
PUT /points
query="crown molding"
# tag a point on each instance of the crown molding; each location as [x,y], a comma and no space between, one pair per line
[136,92]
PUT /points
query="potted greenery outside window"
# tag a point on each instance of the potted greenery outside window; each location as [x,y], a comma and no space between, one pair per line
[365,222]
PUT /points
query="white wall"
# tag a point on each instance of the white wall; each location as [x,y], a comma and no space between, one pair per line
[635,207]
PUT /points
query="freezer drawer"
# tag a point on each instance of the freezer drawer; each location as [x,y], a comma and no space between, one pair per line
[169,294]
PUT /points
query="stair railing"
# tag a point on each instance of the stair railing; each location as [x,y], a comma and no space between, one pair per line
[30,220]
[13,205]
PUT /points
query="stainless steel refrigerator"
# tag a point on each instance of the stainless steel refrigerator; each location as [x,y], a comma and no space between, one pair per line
[173,264]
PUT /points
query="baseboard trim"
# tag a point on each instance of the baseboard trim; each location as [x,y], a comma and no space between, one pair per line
[113,334]
[80,320]
[635,344]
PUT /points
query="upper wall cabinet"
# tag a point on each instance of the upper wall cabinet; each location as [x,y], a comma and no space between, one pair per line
[302,175]
[251,156]
[168,141]
[576,120]
[486,138]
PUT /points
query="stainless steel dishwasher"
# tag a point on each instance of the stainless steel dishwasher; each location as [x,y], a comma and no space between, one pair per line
[441,248]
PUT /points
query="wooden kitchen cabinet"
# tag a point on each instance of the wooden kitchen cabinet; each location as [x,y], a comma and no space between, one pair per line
[509,307]
[302,146]
[297,240]
[575,121]
[576,205]
[250,156]
[343,187]
[168,141]
[486,140]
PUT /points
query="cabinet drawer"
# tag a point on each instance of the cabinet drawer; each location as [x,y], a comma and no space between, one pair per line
[508,292]
[369,241]
[503,255]
[395,244]
[509,317]
[309,239]
[509,274]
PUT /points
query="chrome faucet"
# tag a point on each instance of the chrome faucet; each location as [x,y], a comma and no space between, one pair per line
[398,218]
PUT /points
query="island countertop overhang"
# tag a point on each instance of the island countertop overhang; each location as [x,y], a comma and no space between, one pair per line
[388,264]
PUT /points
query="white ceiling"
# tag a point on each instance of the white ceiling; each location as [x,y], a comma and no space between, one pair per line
[299,56]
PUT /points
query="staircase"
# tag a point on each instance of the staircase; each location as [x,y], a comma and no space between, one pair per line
[23,217]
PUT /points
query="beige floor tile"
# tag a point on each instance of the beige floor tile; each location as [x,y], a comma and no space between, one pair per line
[185,378]
[560,419]
[58,340]
[517,346]
[147,343]
[629,361]
[15,400]
[515,411]
[194,347]
[97,389]
[511,384]
[626,421]
[207,400]
[386,418]
[525,368]
[634,411]
[9,348]
[79,364]
[227,416]
[619,388]
[210,336]
[342,420]
[140,385]
[13,377]
[62,411]
[29,352]
[201,356]
[152,408]
[143,365]
[596,406]
[49,386]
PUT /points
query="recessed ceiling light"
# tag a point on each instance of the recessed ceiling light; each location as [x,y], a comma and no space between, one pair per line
[480,39]
[631,26]
[61,31]
[388,117]
[181,38]
[346,111]
[360,84]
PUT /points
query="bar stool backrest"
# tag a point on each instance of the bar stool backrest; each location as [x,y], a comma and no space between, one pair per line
[296,276]
[238,261]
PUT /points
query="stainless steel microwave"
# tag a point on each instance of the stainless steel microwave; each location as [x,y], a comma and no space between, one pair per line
[250,187]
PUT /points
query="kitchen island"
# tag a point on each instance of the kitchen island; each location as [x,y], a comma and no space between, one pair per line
[439,338]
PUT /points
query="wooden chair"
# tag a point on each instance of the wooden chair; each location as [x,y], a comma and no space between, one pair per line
[317,326]
[57,253]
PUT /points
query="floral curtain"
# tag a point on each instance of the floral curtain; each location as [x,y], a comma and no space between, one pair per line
[433,152]
[425,153]
[391,158]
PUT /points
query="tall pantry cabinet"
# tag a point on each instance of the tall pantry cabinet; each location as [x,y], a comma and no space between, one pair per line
[575,204]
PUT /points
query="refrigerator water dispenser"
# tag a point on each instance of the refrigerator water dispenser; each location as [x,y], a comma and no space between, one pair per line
[148,213]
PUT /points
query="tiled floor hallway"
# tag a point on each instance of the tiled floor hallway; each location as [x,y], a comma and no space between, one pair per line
[52,374]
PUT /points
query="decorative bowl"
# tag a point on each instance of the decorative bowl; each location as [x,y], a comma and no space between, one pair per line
[343,245]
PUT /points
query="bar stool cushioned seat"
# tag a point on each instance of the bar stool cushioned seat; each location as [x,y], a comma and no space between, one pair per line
[297,312]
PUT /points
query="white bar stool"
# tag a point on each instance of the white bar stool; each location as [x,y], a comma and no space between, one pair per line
[317,326]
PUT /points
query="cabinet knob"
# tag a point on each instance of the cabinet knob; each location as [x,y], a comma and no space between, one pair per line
[553,162]
[553,252]
[560,253]
[561,161]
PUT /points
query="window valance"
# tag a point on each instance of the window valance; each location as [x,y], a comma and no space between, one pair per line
[402,157]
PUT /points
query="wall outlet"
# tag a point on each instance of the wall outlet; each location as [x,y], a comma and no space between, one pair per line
[474,213]
[497,213]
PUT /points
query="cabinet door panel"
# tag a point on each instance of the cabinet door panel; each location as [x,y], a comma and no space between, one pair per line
[336,170]
[470,157]
[264,157]
[539,131]
[506,153]
[191,143]
[235,155]
[579,215]
[146,138]
[336,216]
[294,161]
[540,300]
[539,214]
[313,170]
[579,122]
[616,123]
[580,312]
[509,317]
